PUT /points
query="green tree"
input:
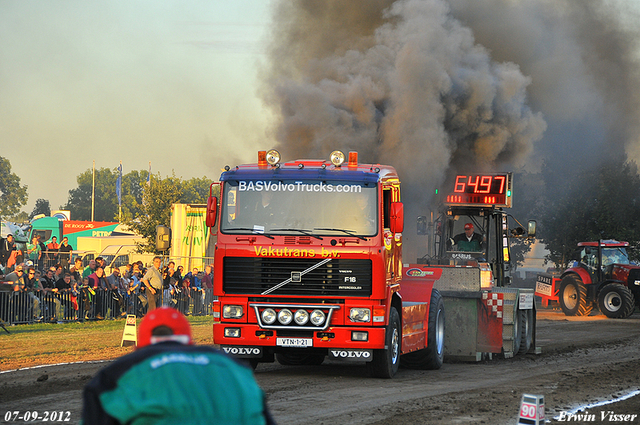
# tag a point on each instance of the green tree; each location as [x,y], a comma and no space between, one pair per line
[42,207]
[21,217]
[105,200]
[196,190]
[155,206]
[12,195]
[143,206]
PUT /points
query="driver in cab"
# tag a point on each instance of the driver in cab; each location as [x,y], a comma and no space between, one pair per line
[469,241]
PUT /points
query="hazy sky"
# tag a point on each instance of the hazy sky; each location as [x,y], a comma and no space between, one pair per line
[175,82]
[171,82]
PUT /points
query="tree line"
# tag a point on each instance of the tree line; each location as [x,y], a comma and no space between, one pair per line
[146,199]
[576,204]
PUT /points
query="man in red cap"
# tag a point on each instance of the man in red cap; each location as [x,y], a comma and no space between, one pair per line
[168,380]
[469,241]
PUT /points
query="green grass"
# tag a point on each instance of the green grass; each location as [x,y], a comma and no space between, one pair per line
[31,345]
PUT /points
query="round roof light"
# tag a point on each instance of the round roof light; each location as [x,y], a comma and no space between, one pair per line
[273,157]
[337,158]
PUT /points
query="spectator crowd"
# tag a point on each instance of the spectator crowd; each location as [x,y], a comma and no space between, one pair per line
[44,284]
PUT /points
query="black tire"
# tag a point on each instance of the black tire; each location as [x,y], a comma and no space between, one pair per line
[573,297]
[386,361]
[432,356]
[517,333]
[525,317]
[616,301]
[298,359]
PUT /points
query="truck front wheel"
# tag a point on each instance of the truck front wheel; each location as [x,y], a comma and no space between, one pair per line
[573,297]
[616,301]
[386,361]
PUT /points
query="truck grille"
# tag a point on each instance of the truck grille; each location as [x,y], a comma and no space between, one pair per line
[338,277]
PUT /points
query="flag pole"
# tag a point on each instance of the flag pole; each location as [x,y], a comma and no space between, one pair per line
[120,195]
[93,189]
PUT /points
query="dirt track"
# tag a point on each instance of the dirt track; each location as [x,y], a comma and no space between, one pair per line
[583,360]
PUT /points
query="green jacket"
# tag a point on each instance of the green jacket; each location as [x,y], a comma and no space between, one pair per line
[170,383]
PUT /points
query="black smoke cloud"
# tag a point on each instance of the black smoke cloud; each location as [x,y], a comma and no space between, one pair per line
[455,85]
[403,83]
[582,57]
[436,87]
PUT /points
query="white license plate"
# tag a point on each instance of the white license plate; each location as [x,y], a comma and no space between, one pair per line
[294,342]
[544,289]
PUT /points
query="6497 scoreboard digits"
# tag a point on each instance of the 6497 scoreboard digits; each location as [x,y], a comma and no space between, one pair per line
[478,190]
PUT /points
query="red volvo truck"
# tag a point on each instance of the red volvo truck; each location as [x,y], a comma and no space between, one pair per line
[308,264]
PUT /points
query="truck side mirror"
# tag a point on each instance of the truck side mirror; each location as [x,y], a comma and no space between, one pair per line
[163,238]
[212,211]
[531,228]
[396,214]
[422,225]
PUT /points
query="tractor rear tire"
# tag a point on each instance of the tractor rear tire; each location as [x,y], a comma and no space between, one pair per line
[616,301]
[432,356]
[573,297]
[386,361]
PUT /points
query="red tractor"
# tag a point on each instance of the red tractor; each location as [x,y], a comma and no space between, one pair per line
[601,273]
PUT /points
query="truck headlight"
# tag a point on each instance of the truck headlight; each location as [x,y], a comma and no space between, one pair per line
[285,316]
[317,317]
[232,332]
[357,314]
[232,311]
[301,317]
[269,316]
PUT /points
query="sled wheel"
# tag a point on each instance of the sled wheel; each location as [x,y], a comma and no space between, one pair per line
[573,297]
[616,301]
[525,317]
[517,333]
[432,356]
[386,361]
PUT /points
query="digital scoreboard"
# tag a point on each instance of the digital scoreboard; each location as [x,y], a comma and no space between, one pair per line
[481,190]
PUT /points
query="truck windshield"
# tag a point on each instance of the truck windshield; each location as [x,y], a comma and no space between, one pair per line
[311,208]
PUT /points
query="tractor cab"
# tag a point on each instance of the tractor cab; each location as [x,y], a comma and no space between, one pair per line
[464,237]
[599,258]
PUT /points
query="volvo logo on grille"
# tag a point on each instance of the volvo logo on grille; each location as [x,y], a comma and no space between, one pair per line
[296,277]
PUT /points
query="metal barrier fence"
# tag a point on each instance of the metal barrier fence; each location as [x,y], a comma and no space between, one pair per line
[25,307]
[50,259]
